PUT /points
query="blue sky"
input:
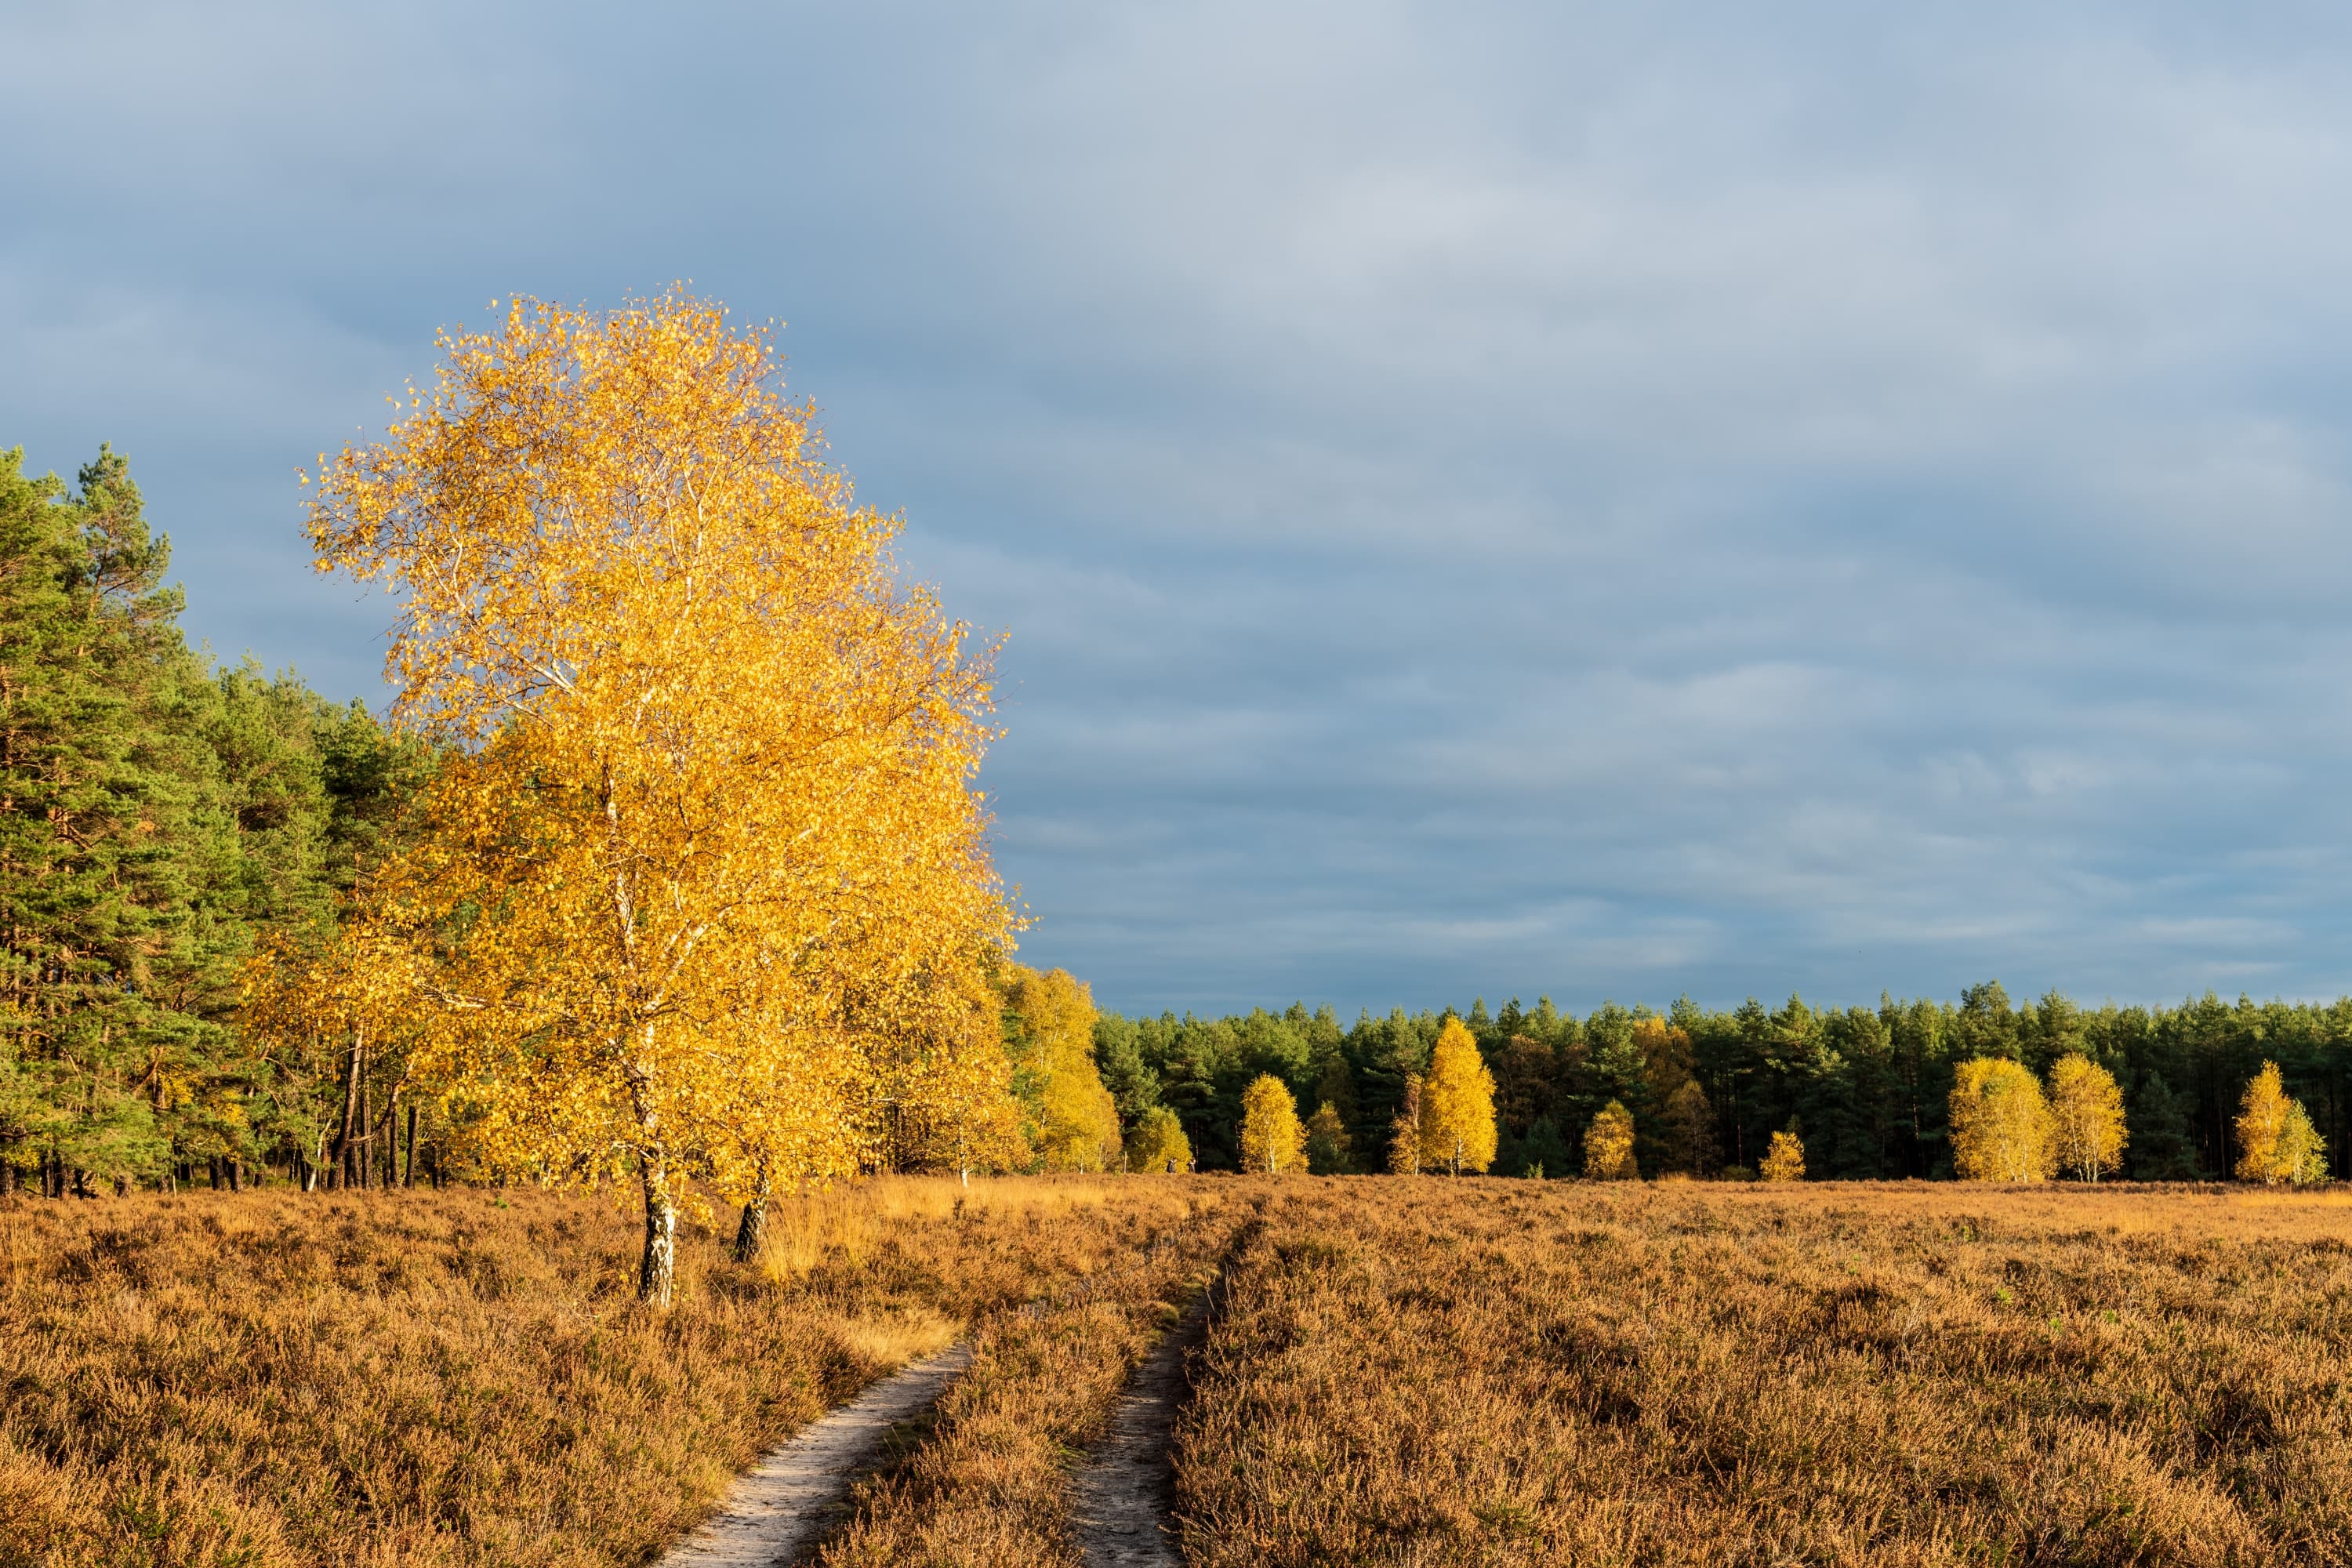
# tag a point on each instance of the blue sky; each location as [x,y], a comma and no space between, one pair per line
[1485,499]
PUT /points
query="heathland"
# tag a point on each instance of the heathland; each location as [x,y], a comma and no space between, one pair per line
[1399,1371]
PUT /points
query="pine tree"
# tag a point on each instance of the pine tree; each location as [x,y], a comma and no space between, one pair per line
[105,850]
[1327,1142]
[1690,1129]
[2160,1146]
[1544,1151]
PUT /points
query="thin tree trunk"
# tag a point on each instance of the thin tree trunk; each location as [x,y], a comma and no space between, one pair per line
[408,1166]
[657,1273]
[235,1174]
[367,1134]
[344,1170]
[8,1180]
[752,1231]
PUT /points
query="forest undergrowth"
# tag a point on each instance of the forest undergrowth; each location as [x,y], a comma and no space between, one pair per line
[465,1376]
[1495,1373]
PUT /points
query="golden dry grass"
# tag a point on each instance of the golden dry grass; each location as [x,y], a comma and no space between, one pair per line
[990,1486]
[463,1377]
[1495,1373]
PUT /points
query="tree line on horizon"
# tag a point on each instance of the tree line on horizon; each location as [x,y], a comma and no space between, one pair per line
[1868,1090]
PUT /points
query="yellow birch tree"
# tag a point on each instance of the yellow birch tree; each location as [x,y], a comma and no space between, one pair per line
[1159,1144]
[1785,1161]
[1608,1145]
[1457,1103]
[2276,1142]
[2001,1125]
[2087,1111]
[687,696]
[1051,1018]
[1272,1138]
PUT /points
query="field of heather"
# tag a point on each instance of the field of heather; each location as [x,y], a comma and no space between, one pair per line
[265,1379]
[1520,1372]
[1394,1371]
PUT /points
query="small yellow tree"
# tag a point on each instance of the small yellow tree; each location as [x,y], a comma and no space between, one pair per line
[1404,1131]
[1608,1145]
[2277,1141]
[2000,1124]
[1785,1161]
[2086,1112]
[1457,1103]
[1272,1138]
[2301,1154]
[1158,1142]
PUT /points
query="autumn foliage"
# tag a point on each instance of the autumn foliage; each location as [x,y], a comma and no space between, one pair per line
[2001,1128]
[2277,1141]
[708,845]
[1273,1139]
[1785,1161]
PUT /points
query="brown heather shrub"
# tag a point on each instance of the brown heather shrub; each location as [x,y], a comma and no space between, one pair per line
[269,1378]
[1495,1373]
[990,1487]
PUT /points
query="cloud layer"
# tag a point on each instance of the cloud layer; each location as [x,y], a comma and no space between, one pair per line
[1611,500]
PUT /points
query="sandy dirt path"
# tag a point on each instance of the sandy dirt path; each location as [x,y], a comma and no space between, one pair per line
[1121,1499]
[796,1495]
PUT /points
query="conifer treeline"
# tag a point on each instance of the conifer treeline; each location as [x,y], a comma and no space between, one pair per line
[1869,1086]
[158,815]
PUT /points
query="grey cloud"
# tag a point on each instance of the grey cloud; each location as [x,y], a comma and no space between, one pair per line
[1485,498]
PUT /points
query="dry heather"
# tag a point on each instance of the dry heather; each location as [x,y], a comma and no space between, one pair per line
[462,1377]
[1495,1373]
[990,1487]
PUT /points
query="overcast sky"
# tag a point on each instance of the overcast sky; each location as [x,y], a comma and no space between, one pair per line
[1611,501]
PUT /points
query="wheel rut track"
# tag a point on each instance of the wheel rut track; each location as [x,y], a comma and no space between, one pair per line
[797,1495]
[1121,1501]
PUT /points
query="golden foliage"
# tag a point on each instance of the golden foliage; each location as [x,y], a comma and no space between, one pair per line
[2276,1142]
[1405,1131]
[2001,1128]
[1159,1143]
[2086,1115]
[1457,1103]
[1053,1018]
[1785,1161]
[717,765]
[1608,1145]
[1273,1141]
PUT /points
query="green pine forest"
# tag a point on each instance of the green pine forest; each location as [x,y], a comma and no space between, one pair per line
[164,814]
[1866,1087]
